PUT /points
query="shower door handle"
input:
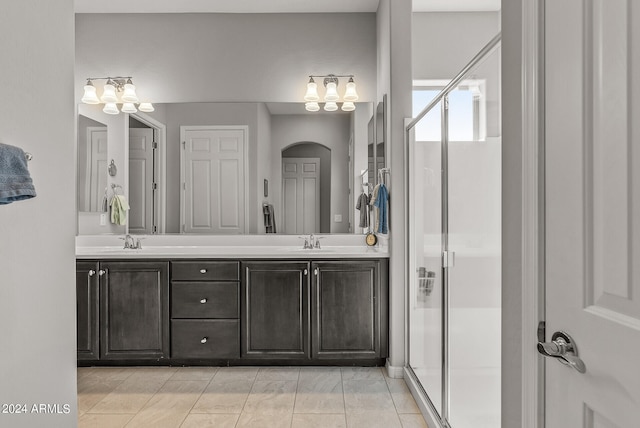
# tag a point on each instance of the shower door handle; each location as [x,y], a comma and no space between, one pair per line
[563,348]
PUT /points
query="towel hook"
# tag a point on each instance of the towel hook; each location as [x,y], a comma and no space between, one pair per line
[28,155]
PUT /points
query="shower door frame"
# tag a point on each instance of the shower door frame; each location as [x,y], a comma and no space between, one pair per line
[439,416]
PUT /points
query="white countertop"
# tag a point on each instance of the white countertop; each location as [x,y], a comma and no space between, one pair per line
[237,247]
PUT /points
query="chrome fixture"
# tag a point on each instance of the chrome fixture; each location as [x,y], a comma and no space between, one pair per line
[112,87]
[331,96]
[563,348]
[132,244]
[311,242]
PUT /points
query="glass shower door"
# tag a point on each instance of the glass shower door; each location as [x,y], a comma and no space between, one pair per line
[426,280]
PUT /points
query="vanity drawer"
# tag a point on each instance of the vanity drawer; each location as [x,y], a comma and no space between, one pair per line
[205,339]
[204,299]
[205,270]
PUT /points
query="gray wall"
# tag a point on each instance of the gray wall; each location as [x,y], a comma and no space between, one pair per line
[226,57]
[37,291]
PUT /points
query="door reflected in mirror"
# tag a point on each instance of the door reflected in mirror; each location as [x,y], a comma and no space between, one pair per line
[92,164]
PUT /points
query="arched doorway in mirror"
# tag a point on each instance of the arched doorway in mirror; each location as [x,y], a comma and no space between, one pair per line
[306,188]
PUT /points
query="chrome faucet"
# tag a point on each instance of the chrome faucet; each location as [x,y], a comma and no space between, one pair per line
[130,243]
[311,242]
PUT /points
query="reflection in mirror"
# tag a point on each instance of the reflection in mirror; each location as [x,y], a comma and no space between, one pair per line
[275,134]
[92,164]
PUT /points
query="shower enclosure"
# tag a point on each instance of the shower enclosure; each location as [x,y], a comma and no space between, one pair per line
[454,243]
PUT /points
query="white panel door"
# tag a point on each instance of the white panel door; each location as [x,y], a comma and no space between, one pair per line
[592,117]
[301,195]
[213,172]
[141,180]
[97,179]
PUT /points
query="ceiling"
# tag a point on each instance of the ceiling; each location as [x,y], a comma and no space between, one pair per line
[224,6]
[272,6]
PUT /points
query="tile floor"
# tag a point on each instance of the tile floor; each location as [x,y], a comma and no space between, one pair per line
[269,397]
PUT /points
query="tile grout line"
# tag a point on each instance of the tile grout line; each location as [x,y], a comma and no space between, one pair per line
[199,396]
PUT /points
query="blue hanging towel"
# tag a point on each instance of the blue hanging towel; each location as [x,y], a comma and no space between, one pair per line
[383,209]
[15,180]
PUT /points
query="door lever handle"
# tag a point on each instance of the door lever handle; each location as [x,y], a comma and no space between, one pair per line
[563,348]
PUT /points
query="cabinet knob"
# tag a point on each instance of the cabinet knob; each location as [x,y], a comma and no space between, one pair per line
[102,272]
[203,300]
[203,271]
[315,271]
[92,272]
[305,272]
[203,340]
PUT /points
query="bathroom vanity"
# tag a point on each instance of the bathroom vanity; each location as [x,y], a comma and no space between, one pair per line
[232,305]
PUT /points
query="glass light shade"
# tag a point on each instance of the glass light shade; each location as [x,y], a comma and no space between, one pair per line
[312,92]
[90,96]
[109,94]
[311,106]
[110,108]
[129,95]
[332,93]
[330,106]
[350,93]
[346,106]
[146,107]
[129,108]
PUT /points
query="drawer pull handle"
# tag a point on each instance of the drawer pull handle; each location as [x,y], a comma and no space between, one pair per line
[203,340]
[203,301]
[203,271]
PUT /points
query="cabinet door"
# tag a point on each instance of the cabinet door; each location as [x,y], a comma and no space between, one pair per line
[87,310]
[134,310]
[275,310]
[346,310]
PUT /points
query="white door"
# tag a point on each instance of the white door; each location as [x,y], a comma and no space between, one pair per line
[213,179]
[141,180]
[592,119]
[97,178]
[301,195]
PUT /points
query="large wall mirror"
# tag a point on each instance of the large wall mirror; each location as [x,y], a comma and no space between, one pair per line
[230,168]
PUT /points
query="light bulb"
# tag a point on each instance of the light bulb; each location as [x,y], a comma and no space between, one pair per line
[330,106]
[129,95]
[110,108]
[312,106]
[350,93]
[146,107]
[332,92]
[312,91]
[90,96]
[109,93]
[129,108]
[346,106]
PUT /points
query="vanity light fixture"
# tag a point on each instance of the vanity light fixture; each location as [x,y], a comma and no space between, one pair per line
[331,96]
[110,91]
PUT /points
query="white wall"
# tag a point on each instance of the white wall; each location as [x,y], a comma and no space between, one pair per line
[226,57]
[37,283]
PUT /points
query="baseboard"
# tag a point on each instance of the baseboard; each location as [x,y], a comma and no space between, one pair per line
[394,372]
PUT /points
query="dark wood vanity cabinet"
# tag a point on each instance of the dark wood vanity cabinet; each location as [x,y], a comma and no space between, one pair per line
[251,312]
[349,309]
[122,310]
[329,310]
[275,310]
[205,310]
[134,310]
[87,310]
